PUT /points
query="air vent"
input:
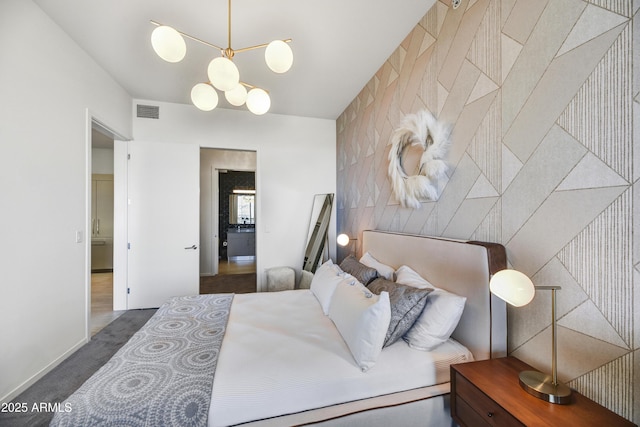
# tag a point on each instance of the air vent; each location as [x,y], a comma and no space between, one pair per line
[148,111]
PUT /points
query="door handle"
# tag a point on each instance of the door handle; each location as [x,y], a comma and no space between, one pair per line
[194,247]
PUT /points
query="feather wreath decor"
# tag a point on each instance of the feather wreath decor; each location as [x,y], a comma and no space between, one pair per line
[425,130]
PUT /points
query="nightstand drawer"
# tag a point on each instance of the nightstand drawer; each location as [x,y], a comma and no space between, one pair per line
[477,407]
[470,417]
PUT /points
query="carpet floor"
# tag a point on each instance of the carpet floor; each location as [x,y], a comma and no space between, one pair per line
[228,283]
[65,378]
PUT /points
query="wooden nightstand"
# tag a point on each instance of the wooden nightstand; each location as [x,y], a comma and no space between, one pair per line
[487,393]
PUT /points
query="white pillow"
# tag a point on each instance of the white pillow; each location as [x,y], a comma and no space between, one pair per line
[406,276]
[324,282]
[383,270]
[437,321]
[362,318]
[440,316]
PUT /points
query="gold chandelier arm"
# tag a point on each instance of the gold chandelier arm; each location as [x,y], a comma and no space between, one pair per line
[244,49]
[250,86]
[229,24]
[192,37]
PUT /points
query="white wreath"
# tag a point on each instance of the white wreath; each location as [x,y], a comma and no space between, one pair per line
[421,129]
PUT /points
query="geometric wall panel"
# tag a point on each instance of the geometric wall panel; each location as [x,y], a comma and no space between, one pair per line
[601,115]
[621,7]
[589,173]
[540,97]
[616,394]
[600,260]
[593,22]
[597,327]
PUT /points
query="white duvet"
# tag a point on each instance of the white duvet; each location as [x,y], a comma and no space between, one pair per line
[282,355]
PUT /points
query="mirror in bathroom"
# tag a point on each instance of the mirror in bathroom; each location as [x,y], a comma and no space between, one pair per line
[318,231]
[242,208]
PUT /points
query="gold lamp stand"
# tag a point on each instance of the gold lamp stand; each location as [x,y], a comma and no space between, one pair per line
[542,386]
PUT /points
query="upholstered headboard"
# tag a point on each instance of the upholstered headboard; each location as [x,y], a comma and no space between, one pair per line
[461,267]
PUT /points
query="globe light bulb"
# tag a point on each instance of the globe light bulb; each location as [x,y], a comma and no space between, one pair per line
[223,74]
[342,240]
[258,101]
[278,56]
[204,97]
[168,44]
[237,96]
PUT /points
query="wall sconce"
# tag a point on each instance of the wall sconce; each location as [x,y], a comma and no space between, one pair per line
[516,289]
[344,240]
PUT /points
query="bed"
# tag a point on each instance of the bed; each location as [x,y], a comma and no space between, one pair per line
[295,357]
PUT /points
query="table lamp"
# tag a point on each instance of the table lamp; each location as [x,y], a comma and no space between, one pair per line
[516,289]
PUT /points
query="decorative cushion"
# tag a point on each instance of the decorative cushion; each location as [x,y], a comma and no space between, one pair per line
[382,269]
[406,276]
[406,303]
[324,282]
[440,316]
[358,270]
[362,318]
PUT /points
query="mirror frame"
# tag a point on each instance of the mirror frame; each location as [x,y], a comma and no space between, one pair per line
[318,230]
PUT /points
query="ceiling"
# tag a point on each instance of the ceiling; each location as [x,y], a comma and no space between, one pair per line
[338,45]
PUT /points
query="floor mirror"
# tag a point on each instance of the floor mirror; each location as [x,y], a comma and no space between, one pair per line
[317,242]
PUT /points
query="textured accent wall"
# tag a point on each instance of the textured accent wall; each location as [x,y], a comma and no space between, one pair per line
[543,100]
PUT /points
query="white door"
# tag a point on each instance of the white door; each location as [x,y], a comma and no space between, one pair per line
[163,226]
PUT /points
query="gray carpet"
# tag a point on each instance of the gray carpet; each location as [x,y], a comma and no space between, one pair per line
[228,283]
[65,378]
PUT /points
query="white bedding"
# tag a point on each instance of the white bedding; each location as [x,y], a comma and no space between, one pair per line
[282,355]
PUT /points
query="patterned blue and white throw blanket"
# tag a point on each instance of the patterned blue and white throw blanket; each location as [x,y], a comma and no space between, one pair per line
[162,376]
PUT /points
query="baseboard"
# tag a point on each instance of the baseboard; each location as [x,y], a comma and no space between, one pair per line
[44,371]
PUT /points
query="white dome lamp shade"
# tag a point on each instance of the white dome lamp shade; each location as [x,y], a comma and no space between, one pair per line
[278,56]
[258,101]
[237,96]
[343,239]
[513,287]
[204,97]
[223,74]
[168,44]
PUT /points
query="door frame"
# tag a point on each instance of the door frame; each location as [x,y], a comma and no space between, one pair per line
[215,223]
[92,120]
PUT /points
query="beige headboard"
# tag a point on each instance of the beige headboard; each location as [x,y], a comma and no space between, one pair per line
[461,267]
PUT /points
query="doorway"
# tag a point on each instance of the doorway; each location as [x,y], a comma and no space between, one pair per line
[101,232]
[228,219]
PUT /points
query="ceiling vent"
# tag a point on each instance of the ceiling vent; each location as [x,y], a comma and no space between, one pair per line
[148,111]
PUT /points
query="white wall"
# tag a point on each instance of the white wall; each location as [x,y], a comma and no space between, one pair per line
[48,85]
[296,158]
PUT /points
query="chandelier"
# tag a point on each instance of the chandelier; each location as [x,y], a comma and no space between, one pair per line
[223,74]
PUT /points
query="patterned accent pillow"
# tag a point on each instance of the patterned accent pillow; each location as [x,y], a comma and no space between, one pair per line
[364,274]
[407,304]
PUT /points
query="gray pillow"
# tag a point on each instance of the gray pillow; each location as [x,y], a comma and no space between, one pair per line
[407,304]
[364,274]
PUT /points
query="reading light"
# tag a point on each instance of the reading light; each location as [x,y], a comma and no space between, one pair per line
[223,74]
[343,239]
[517,289]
